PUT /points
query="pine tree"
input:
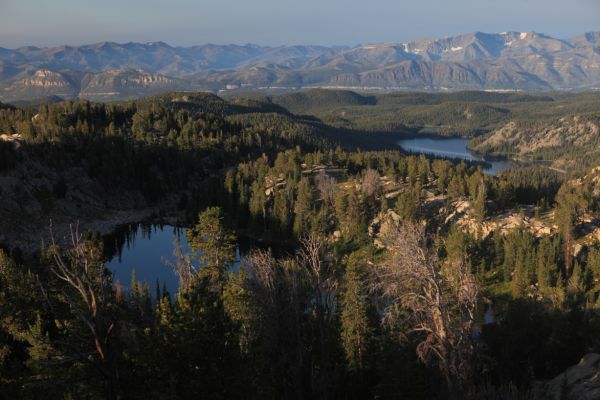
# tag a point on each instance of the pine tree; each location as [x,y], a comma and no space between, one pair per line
[569,205]
[302,207]
[282,210]
[354,218]
[457,244]
[456,187]
[546,264]
[593,263]
[575,284]
[519,260]
[205,359]
[213,244]
[258,202]
[480,200]
[356,330]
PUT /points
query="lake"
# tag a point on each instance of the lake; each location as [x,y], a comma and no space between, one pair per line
[145,249]
[148,249]
[451,148]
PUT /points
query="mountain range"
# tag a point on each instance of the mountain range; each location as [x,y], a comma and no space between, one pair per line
[511,61]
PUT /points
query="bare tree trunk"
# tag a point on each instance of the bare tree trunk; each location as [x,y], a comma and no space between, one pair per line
[441,303]
[83,272]
[324,285]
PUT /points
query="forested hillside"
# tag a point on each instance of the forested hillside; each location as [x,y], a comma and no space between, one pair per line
[372,274]
[458,113]
[552,129]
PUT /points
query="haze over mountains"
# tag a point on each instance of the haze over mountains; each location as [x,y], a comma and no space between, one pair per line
[525,61]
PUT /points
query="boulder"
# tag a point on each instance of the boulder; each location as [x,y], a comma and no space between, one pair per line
[579,382]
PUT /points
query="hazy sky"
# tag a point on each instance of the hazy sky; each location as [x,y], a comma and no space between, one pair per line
[274,22]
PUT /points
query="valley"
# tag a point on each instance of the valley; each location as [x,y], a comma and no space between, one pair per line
[285,200]
[279,200]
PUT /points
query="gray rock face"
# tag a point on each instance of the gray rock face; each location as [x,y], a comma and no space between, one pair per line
[579,382]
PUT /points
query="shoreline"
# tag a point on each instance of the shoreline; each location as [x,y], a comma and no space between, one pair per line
[33,236]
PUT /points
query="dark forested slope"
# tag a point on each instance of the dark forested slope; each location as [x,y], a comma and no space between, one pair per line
[373,274]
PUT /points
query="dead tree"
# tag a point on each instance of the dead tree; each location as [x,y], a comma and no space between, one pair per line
[278,292]
[183,267]
[370,183]
[296,302]
[322,280]
[327,188]
[88,289]
[441,302]
[323,285]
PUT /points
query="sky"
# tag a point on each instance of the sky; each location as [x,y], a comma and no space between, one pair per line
[282,22]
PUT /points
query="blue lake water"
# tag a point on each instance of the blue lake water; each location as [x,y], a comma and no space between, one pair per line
[455,148]
[147,249]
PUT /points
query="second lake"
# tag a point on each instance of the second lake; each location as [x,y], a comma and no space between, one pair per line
[451,148]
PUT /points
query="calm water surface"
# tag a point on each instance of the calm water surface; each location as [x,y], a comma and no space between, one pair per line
[147,250]
[450,148]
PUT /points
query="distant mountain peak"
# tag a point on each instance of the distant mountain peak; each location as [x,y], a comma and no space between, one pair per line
[158,44]
[508,60]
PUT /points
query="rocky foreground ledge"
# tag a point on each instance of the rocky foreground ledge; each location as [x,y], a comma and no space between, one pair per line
[579,382]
